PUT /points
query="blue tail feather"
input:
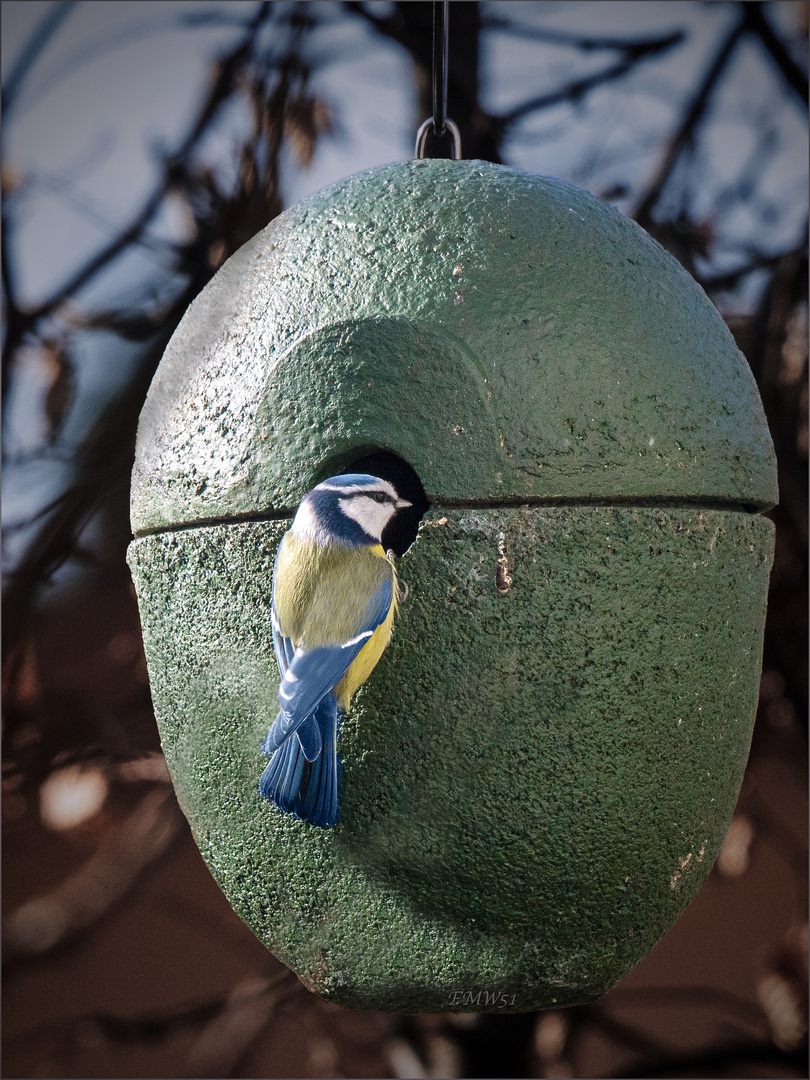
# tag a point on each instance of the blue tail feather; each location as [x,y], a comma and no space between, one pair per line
[306,789]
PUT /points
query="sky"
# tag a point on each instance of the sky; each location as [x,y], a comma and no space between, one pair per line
[119,82]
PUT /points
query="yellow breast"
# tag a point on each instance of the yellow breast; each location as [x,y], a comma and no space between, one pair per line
[366,660]
[317,595]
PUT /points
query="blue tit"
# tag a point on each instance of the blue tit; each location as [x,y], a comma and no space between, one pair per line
[333,602]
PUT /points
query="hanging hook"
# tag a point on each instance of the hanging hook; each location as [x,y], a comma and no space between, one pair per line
[441,124]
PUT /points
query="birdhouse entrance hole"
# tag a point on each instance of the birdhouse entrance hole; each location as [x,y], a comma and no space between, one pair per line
[401,531]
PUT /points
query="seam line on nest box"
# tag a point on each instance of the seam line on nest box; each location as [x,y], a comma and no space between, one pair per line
[640,502]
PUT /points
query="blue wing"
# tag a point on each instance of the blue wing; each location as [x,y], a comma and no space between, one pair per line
[309,674]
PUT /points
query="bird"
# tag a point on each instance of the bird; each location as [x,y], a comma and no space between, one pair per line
[334,596]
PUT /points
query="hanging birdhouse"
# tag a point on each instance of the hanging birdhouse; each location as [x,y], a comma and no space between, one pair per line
[540,771]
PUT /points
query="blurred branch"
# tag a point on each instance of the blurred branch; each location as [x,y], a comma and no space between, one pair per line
[685,133]
[54,18]
[597,1017]
[629,46]
[577,89]
[224,85]
[284,114]
[272,991]
[725,280]
[21,321]
[244,1014]
[149,767]
[47,922]
[60,188]
[482,133]
[410,26]
[751,20]
[759,26]
[782,402]
[103,463]
[106,42]
[223,220]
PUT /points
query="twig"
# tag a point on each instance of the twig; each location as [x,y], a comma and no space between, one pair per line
[684,134]
[28,57]
[729,279]
[759,25]
[630,46]
[579,87]
[220,91]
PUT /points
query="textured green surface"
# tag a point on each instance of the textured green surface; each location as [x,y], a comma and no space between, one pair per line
[509,335]
[542,767]
[536,780]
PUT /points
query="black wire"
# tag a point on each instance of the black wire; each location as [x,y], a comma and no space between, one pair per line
[440,21]
[439,125]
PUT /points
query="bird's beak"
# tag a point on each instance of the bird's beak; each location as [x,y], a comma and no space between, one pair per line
[400,503]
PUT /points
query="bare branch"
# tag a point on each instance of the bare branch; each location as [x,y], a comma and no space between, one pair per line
[689,124]
[223,87]
[577,89]
[629,46]
[126,35]
[230,1035]
[759,26]
[104,459]
[726,280]
[54,18]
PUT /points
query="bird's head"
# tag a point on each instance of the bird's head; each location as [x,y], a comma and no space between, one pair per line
[352,509]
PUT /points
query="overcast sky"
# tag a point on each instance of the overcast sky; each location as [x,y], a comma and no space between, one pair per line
[120,80]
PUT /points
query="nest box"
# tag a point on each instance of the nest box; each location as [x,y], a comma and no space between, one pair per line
[541,770]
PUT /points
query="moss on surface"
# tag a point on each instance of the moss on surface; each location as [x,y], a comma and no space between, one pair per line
[537,778]
[542,768]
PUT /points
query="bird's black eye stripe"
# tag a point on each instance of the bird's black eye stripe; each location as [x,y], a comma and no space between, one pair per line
[377,496]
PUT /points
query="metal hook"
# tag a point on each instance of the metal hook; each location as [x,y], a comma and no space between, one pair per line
[440,123]
[449,127]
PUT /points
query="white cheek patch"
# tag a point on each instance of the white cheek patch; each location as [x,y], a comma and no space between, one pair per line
[371,516]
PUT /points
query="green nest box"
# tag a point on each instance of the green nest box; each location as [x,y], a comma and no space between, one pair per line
[541,770]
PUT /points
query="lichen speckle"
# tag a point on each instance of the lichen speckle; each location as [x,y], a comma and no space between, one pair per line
[482,356]
[503,579]
[514,760]
[520,807]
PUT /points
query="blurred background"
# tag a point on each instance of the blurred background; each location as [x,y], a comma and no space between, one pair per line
[143,143]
